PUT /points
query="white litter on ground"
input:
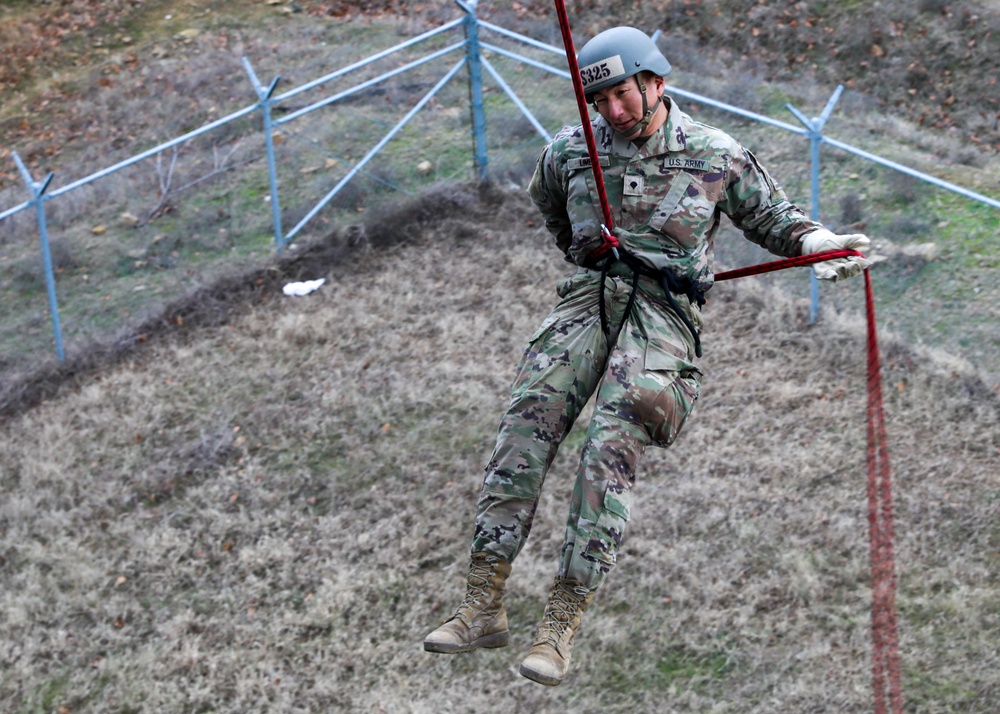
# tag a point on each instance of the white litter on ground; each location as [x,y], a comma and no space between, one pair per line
[304,288]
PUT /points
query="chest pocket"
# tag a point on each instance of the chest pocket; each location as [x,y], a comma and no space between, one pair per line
[666,207]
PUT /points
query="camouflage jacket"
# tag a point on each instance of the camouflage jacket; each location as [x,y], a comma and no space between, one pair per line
[668,194]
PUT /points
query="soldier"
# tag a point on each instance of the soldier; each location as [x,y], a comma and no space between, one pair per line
[627,326]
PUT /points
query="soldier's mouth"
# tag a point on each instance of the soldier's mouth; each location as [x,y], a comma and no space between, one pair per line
[626,127]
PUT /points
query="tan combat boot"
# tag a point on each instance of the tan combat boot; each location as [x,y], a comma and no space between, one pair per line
[548,660]
[480,621]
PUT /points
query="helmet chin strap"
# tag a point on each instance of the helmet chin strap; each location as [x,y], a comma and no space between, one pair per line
[647,113]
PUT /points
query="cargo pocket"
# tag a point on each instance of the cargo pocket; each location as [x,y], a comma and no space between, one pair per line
[546,325]
[606,535]
[673,406]
[666,353]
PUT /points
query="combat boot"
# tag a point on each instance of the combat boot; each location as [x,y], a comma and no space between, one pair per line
[480,621]
[548,660]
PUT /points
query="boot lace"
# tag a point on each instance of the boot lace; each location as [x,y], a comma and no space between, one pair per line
[563,610]
[477,586]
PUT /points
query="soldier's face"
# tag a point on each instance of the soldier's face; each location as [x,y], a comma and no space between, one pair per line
[621,105]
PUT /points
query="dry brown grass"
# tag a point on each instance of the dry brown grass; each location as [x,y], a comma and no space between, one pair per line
[267,508]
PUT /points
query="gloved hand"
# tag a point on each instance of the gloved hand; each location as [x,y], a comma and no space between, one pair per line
[839,268]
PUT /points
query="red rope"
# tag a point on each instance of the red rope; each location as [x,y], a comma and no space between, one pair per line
[886,677]
[588,130]
[882,536]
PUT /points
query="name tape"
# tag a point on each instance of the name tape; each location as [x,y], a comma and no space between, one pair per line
[684,163]
[585,163]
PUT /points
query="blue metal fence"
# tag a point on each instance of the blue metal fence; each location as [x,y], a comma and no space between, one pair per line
[474,59]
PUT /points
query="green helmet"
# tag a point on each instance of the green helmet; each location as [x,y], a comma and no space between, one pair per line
[618,54]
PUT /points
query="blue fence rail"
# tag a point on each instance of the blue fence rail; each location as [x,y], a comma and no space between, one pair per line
[474,59]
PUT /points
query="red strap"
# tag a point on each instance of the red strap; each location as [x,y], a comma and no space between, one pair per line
[886,676]
[785,263]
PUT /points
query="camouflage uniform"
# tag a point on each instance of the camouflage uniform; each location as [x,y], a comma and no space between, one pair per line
[667,195]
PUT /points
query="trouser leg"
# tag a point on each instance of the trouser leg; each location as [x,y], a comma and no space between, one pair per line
[636,408]
[601,502]
[555,379]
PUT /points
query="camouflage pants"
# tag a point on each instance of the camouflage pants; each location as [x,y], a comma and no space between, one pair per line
[646,388]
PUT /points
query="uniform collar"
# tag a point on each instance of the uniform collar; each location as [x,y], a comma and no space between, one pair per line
[675,128]
[669,138]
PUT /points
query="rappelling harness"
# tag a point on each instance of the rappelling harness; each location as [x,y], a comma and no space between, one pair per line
[672,285]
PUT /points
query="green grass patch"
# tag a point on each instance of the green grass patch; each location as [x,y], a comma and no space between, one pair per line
[698,668]
[774,101]
[678,667]
[928,690]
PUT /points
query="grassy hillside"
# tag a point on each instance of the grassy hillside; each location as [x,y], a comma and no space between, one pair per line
[270,514]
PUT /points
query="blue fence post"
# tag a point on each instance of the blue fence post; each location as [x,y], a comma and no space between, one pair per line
[265,102]
[38,189]
[814,130]
[473,59]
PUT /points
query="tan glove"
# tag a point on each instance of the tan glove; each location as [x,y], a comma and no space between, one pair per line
[822,240]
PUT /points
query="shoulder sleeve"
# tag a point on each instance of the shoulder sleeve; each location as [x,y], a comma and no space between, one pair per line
[548,191]
[759,207]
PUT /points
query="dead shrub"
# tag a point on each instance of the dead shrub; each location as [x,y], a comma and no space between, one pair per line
[851,209]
